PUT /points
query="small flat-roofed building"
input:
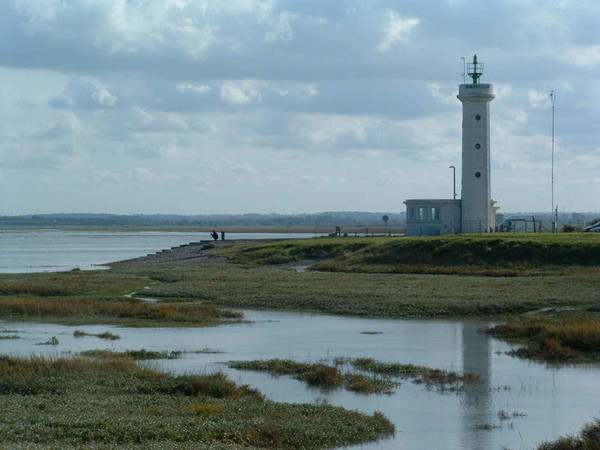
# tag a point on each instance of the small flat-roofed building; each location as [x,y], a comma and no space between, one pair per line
[432,217]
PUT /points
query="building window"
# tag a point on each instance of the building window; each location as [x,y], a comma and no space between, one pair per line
[435,213]
[412,213]
[477,174]
[477,146]
[477,117]
[421,213]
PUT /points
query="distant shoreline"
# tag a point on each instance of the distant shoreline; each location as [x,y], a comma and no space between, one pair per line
[377,229]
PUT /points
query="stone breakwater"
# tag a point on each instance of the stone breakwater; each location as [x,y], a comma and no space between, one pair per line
[192,254]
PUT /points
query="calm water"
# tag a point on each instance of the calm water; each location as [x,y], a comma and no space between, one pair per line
[555,400]
[56,250]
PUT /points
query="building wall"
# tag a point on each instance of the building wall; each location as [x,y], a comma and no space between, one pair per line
[432,217]
[477,214]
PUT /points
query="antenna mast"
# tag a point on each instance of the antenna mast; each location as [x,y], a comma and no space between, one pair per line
[554,213]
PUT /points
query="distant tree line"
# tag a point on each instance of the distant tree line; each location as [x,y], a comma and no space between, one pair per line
[338,218]
[345,218]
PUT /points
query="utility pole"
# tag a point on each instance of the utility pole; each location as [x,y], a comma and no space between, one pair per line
[554,217]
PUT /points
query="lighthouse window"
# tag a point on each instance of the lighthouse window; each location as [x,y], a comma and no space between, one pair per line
[477,146]
[435,214]
[477,174]
[477,117]
[421,213]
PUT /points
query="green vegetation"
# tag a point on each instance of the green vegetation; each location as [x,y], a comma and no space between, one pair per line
[136,355]
[566,337]
[587,439]
[79,311]
[503,254]
[10,336]
[103,284]
[419,374]
[110,403]
[318,374]
[373,295]
[96,298]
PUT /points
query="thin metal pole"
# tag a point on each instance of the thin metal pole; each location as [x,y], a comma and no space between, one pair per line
[552,99]
[464,69]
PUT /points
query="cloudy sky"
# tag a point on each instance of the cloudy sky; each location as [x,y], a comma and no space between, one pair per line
[233,106]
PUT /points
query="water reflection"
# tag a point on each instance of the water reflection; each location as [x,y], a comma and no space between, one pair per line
[476,402]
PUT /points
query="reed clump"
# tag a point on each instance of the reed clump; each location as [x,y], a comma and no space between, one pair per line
[587,439]
[569,336]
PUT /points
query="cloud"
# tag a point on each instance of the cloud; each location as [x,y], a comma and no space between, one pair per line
[100,176]
[242,92]
[539,99]
[194,88]
[397,29]
[583,56]
[84,93]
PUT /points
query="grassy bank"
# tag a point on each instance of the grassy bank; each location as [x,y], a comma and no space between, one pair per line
[566,337]
[96,298]
[501,254]
[76,403]
[373,295]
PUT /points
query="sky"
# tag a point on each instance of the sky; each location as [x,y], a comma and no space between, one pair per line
[266,106]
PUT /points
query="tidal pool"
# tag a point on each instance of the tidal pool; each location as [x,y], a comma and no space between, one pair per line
[542,402]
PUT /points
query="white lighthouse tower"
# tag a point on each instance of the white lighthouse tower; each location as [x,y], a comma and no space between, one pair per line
[475,211]
[476,200]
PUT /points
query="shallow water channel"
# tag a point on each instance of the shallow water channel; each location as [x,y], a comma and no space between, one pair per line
[547,402]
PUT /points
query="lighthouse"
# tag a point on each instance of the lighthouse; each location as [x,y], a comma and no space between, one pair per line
[476,196]
[474,212]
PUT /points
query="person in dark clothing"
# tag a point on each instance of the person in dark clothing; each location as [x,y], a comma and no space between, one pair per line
[214,235]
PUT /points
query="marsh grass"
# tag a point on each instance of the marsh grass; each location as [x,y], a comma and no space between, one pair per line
[587,439]
[136,355]
[9,336]
[442,379]
[565,337]
[61,284]
[105,335]
[75,310]
[319,375]
[375,295]
[114,403]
